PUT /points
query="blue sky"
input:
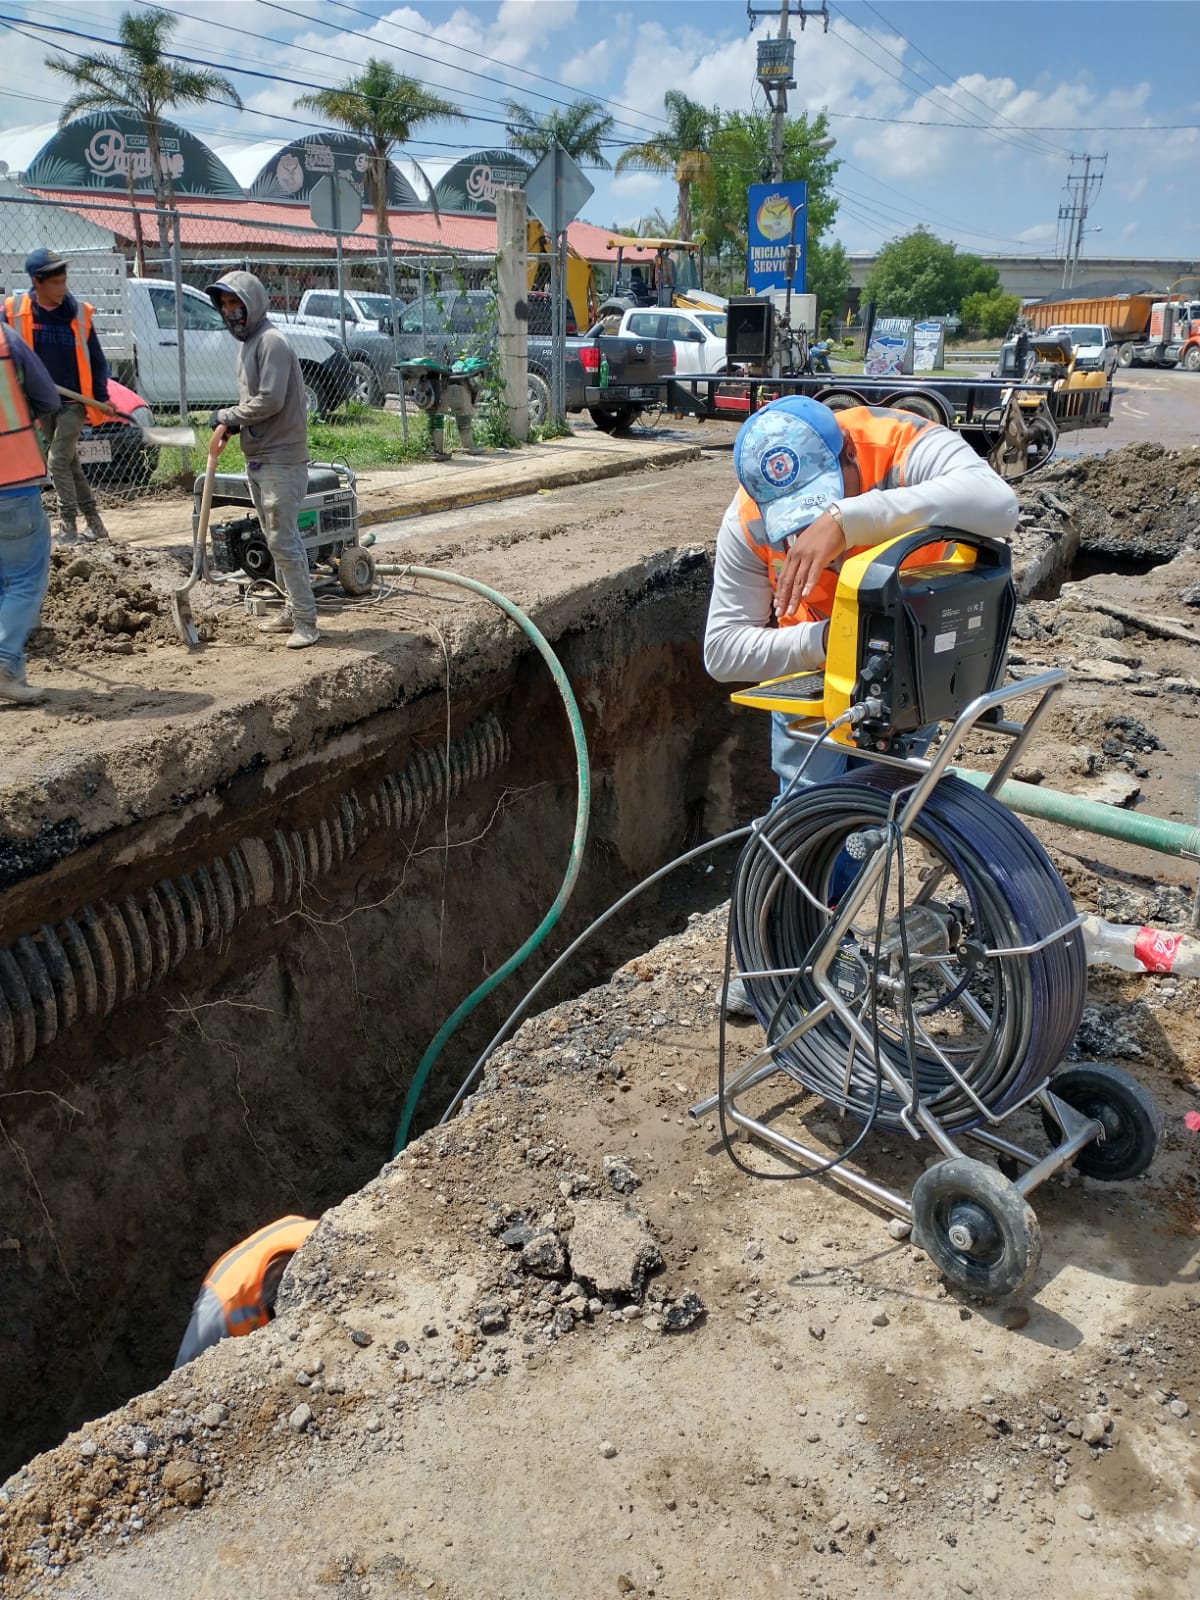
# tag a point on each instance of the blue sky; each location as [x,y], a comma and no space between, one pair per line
[1006,93]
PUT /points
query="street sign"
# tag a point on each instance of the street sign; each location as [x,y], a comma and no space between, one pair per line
[556,191]
[778,212]
[335,207]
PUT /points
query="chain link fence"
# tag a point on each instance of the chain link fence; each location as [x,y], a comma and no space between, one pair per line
[146,271]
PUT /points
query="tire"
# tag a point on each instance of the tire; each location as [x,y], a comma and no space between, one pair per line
[1191,359]
[841,399]
[356,570]
[614,419]
[1125,355]
[538,392]
[368,390]
[976,1227]
[313,404]
[921,405]
[256,560]
[1130,1118]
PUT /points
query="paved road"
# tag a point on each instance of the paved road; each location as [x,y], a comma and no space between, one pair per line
[1160,406]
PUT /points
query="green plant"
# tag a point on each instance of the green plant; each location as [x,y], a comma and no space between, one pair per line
[920,275]
[990,314]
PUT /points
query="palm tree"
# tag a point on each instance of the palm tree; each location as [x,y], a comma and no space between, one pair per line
[144,83]
[580,129]
[383,107]
[680,149]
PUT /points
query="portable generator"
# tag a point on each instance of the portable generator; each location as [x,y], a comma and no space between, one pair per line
[328,523]
[905,942]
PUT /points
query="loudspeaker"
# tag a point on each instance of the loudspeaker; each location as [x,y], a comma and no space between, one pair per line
[749,329]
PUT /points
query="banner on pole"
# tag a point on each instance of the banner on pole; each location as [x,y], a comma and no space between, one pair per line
[778,215]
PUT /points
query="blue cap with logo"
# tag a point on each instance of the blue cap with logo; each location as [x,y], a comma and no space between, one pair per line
[786,459]
[43,263]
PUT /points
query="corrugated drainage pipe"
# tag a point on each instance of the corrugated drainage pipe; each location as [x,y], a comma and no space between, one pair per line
[1092,816]
[582,811]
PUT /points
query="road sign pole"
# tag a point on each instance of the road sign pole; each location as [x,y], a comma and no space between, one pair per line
[557,191]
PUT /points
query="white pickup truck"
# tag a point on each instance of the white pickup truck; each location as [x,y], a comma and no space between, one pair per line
[699,336]
[211,353]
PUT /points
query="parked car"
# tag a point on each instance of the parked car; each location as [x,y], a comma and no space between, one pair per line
[113,452]
[698,336]
[1094,346]
[369,344]
[211,355]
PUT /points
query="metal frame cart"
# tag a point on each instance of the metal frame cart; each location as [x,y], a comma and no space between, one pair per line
[916,962]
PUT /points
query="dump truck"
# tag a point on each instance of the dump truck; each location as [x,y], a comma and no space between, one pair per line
[1149,329]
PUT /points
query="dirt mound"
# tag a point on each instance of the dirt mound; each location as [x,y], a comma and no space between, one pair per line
[1142,500]
[105,601]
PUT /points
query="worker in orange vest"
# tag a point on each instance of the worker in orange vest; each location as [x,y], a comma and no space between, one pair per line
[239,1293]
[61,331]
[817,485]
[26,392]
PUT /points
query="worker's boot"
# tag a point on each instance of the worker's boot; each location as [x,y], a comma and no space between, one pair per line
[302,635]
[93,526]
[66,531]
[277,622]
[14,688]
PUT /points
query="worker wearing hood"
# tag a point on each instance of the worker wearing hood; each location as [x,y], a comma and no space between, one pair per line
[272,419]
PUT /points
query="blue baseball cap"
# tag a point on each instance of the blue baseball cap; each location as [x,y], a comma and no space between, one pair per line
[43,263]
[787,459]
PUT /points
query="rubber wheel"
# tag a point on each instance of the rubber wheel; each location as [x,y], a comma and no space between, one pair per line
[1191,359]
[367,389]
[841,399]
[613,419]
[1125,355]
[921,405]
[356,570]
[976,1227]
[1129,1116]
[256,560]
[312,396]
[539,399]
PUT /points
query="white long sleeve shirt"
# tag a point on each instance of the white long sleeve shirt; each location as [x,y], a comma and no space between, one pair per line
[946,485]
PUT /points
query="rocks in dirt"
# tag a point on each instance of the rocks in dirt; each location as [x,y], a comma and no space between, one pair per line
[1085,1513]
[1142,500]
[184,1480]
[363,1340]
[112,601]
[213,1416]
[1191,596]
[544,1256]
[1014,1318]
[1134,734]
[1104,671]
[612,1248]
[620,1175]
[683,1313]
[1178,1408]
[607,1449]
[1101,1036]
[1182,685]
[492,1316]
[300,1418]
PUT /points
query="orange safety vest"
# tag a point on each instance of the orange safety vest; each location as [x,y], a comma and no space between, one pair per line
[237,1278]
[882,440]
[20,453]
[19,315]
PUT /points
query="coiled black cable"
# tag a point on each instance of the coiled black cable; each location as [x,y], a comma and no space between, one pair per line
[1016,898]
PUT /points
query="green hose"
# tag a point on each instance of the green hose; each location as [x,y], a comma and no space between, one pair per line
[583,809]
[1092,816]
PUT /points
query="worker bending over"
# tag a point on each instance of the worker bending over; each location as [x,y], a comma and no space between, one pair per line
[815,486]
[240,1291]
[271,417]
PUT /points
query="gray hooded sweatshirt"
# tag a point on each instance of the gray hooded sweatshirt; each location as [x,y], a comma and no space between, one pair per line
[270,412]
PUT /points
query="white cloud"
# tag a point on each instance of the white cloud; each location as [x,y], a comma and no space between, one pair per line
[1038,233]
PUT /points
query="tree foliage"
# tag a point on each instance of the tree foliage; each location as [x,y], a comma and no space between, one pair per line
[143,82]
[384,107]
[682,149]
[920,275]
[991,315]
[580,129]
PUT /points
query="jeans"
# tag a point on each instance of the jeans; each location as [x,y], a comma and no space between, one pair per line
[24,573]
[62,457]
[278,493]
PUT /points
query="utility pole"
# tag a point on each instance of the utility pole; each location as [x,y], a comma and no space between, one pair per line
[776,58]
[1082,187]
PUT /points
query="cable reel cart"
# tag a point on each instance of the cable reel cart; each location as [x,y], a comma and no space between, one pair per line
[910,951]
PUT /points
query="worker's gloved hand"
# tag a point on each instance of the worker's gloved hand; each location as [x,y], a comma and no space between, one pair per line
[214,422]
[107,407]
[811,552]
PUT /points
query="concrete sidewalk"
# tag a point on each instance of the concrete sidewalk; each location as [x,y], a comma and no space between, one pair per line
[431,486]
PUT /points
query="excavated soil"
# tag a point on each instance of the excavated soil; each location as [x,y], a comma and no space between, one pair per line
[104,600]
[751,1388]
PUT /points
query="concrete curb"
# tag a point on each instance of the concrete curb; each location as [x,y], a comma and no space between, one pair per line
[510,489]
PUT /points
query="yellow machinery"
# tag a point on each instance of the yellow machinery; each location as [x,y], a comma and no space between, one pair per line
[581,282]
[1029,423]
[669,278]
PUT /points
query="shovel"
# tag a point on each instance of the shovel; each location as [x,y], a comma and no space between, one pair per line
[182,438]
[181,605]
